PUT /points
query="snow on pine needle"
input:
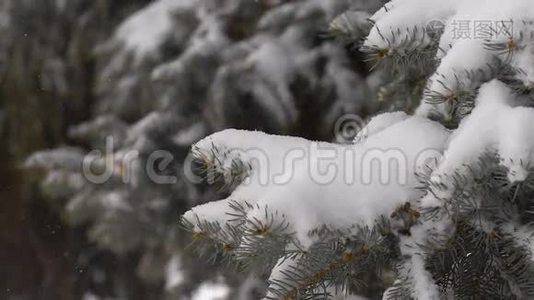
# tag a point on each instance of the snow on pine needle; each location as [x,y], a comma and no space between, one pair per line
[472,42]
[285,196]
[461,210]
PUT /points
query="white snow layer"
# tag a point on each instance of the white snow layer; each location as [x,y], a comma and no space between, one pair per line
[316,183]
[174,275]
[144,31]
[493,125]
[468,28]
[312,184]
[211,291]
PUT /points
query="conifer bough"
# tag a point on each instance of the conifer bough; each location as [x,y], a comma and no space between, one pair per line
[458,228]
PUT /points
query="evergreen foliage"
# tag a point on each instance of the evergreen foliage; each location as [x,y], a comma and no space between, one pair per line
[170,72]
[469,234]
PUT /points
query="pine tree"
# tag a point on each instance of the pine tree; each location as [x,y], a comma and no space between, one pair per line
[452,218]
[169,74]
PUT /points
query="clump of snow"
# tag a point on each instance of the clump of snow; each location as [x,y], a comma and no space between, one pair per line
[379,123]
[90,296]
[143,32]
[65,158]
[278,273]
[523,60]
[211,291]
[350,24]
[114,201]
[465,53]
[190,135]
[99,129]
[274,61]
[174,275]
[414,264]
[314,183]
[400,15]
[495,124]
[523,235]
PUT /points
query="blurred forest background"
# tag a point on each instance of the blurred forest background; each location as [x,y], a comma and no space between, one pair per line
[153,75]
